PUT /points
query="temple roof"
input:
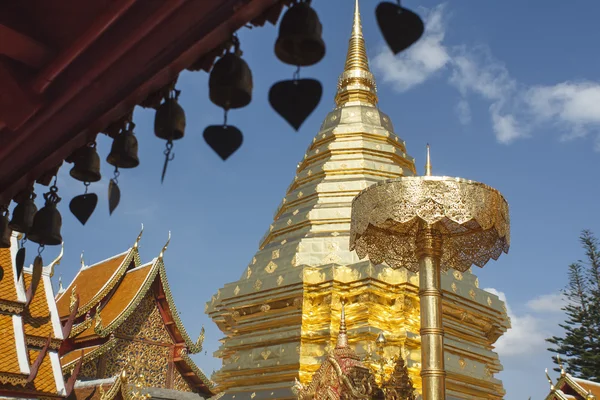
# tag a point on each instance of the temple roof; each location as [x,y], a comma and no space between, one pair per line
[568,387]
[126,283]
[92,283]
[31,333]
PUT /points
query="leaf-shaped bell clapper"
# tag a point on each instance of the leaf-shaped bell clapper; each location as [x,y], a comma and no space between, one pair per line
[86,166]
[47,221]
[124,150]
[400,27]
[300,39]
[23,213]
[5,231]
[230,82]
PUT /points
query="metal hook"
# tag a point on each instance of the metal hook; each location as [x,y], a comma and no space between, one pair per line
[296,75]
[169,156]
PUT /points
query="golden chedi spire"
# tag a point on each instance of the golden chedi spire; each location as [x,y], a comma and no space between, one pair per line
[356,84]
[428,163]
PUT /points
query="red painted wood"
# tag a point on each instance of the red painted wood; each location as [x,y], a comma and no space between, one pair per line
[17,105]
[22,48]
[100,25]
[193,30]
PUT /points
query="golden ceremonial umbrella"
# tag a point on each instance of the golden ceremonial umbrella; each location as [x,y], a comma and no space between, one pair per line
[428,224]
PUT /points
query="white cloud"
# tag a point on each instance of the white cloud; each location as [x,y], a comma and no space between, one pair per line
[516,110]
[420,61]
[547,303]
[525,336]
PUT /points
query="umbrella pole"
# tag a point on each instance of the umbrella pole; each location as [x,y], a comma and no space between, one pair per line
[429,252]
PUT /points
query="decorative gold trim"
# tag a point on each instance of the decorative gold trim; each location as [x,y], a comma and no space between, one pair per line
[104,331]
[193,348]
[11,306]
[13,379]
[97,352]
[50,267]
[79,328]
[195,369]
[40,342]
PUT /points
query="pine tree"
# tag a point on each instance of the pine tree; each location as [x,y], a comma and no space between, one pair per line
[580,345]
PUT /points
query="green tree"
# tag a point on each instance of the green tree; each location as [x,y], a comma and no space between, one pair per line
[579,348]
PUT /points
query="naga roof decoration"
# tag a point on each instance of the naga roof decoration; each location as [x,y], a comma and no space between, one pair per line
[567,387]
[107,327]
[31,331]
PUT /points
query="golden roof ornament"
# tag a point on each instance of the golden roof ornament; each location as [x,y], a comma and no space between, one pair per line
[82,260]
[399,386]
[139,237]
[162,252]
[341,376]
[57,260]
[428,163]
[356,84]
[428,224]
[72,298]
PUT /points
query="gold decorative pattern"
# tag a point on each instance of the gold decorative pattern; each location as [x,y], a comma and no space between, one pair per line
[279,280]
[462,363]
[154,367]
[146,323]
[179,383]
[271,267]
[257,285]
[472,217]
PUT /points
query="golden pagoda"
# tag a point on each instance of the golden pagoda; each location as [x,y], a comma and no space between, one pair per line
[127,323]
[280,318]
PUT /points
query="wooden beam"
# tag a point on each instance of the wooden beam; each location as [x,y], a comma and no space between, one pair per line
[17,104]
[22,48]
[191,31]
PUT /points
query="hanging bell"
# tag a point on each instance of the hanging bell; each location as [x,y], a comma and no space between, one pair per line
[230,81]
[299,41]
[124,150]
[169,122]
[23,213]
[5,231]
[86,166]
[47,222]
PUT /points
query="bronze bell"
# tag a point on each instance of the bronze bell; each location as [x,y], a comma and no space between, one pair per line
[22,216]
[47,222]
[169,122]
[5,231]
[124,151]
[230,82]
[299,41]
[86,166]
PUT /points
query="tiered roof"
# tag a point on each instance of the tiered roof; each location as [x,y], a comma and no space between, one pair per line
[31,333]
[112,294]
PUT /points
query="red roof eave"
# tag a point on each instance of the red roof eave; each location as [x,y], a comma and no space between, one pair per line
[106,82]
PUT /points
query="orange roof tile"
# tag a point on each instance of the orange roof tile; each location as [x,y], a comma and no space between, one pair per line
[131,285]
[44,380]
[36,318]
[589,386]
[8,290]
[75,354]
[89,281]
[9,359]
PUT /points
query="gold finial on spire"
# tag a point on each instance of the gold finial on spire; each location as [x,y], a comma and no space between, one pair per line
[428,163]
[162,252]
[137,241]
[56,260]
[356,84]
[342,335]
[549,380]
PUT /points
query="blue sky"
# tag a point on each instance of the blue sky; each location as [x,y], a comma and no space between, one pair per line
[506,94]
